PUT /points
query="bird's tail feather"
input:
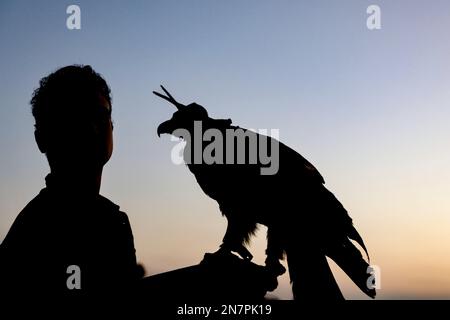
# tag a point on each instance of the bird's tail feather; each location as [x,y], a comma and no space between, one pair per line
[354,235]
[350,260]
[311,276]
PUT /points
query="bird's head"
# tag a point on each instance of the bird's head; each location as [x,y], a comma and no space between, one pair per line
[183,118]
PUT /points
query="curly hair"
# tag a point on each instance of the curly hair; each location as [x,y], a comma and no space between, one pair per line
[67,87]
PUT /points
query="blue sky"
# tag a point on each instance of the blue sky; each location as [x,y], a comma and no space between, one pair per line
[368,108]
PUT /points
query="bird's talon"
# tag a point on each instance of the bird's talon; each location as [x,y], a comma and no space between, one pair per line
[222,251]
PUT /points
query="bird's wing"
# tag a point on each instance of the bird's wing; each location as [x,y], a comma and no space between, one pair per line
[245,183]
[293,163]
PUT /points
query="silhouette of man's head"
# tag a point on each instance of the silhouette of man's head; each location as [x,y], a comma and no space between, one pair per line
[72,111]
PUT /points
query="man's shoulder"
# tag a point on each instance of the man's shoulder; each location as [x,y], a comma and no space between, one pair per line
[33,207]
[26,221]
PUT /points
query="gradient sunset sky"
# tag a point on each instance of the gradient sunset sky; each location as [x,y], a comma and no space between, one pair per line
[370,109]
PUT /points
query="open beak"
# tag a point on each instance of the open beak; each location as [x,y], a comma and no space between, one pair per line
[165,127]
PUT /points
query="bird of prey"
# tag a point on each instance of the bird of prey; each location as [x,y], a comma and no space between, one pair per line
[305,221]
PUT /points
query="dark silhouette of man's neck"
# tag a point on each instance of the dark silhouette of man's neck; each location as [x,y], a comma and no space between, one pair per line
[86,183]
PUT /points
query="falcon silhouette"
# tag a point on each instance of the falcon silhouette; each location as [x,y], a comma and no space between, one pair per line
[305,221]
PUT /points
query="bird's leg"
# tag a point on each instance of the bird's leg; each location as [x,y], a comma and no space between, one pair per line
[274,251]
[238,232]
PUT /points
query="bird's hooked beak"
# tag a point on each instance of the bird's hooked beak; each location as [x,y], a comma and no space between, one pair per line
[165,127]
